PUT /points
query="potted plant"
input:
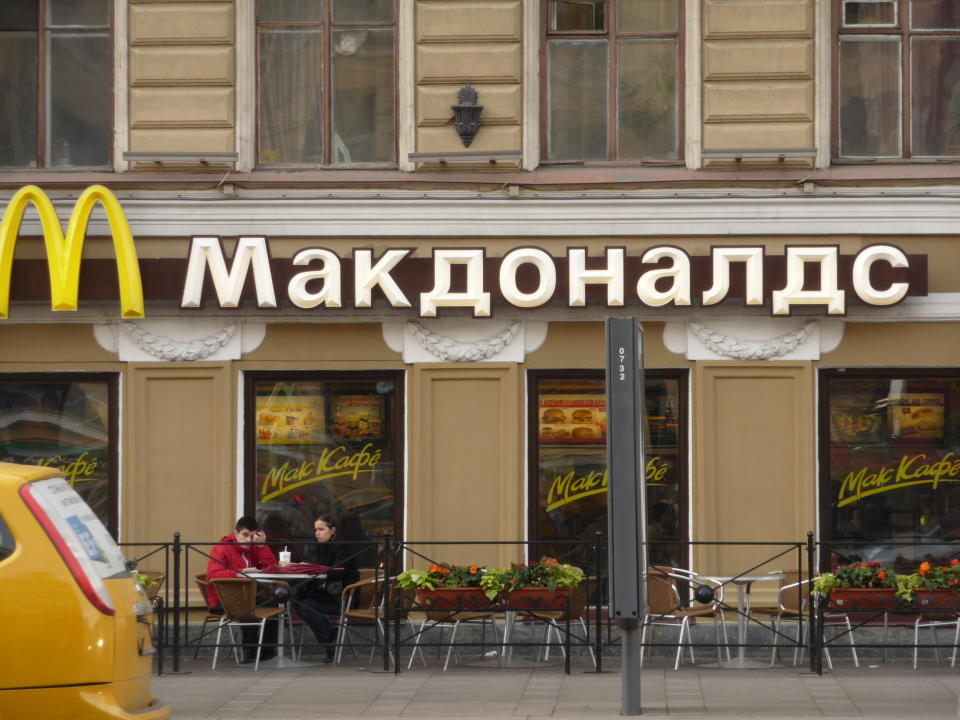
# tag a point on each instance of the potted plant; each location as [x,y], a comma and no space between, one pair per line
[859,586]
[932,587]
[447,587]
[540,585]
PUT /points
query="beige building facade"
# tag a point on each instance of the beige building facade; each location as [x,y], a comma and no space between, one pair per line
[674,130]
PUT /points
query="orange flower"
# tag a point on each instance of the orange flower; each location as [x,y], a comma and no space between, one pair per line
[924,568]
[444,571]
[474,569]
[881,575]
[434,568]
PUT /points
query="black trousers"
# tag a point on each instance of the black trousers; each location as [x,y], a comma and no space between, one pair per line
[315,612]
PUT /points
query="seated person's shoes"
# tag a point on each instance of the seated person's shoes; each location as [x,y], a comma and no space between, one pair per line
[331,653]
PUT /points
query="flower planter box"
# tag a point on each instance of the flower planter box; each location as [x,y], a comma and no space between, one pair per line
[863,599]
[936,600]
[536,598]
[455,598]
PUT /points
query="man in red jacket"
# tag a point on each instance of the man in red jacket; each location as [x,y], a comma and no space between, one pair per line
[243,549]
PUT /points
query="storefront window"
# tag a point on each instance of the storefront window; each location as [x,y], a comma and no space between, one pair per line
[324,443]
[569,464]
[891,486]
[63,423]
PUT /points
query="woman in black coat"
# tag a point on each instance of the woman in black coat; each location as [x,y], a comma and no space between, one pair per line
[316,601]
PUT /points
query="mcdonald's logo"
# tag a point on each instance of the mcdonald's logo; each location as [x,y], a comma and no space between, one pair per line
[63,253]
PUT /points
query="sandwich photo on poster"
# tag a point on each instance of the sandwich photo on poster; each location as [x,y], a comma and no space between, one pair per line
[357,417]
[290,420]
[572,419]
[916,416]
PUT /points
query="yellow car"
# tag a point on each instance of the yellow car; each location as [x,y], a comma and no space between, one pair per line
[76,639]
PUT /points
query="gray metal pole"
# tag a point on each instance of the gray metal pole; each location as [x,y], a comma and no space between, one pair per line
[626,501]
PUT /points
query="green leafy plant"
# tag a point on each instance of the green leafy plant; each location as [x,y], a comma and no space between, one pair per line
[855,575]
[930,577]
[548,573]
[145,580]
[441,575]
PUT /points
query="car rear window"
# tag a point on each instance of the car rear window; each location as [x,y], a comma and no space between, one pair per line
[81,529]
[7,543]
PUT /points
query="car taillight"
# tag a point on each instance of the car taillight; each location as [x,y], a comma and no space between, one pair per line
[72,553]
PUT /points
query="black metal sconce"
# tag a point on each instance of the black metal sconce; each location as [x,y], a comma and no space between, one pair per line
[466,114]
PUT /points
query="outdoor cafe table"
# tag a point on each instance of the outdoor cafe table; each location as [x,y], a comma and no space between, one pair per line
[281,660]
[743,582]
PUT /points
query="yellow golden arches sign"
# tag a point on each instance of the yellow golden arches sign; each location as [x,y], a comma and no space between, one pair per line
[63,253]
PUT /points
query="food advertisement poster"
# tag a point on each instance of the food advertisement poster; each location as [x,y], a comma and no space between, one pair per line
[357,417]
[572,419]
[290,420]
[916,415]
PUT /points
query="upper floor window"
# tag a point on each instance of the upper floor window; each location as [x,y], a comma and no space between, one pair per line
[613,75]
[898,86]
[326,82]
[56,99]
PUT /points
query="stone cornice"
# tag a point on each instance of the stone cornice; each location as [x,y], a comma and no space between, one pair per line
[447,213]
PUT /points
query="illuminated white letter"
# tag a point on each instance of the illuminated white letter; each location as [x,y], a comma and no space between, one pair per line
[722,257]
[206,251]
[441,296]
[329,273]
[366,277]
[793,294]
[508,277]
[679,292]
[861,275]
[579,276]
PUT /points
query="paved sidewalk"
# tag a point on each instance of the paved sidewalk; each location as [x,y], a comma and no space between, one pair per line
[884,691]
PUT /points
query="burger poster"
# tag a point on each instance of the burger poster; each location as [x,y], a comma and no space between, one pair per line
[357,417]
[290,420]
[916,415]
[572,419]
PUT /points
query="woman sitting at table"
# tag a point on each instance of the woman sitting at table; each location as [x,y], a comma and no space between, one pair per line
[316,600]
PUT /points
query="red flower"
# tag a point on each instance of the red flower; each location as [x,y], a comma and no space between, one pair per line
[533,563]
[874,563]
[954,562]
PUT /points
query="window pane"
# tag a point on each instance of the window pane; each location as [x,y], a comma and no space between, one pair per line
[935,93]
[18,99]
[577,16]
[290,103]
[19,15]
[291,10]
[870,99]
[79,100]
[647,99]
[63,425]
[935,14]
[869,12]
[577,99]
[350,11]
[572,466]
[893,475]
[363,124]
[648,16]
[308,433]
[79,12]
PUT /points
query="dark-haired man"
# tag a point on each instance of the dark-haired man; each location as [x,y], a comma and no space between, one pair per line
[243,549]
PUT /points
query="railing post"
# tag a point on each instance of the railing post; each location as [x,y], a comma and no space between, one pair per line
[387,613]
[813,625]
[401,607]
[176,602]
[598,590]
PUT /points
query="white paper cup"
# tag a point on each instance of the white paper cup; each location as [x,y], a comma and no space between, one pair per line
[284,557]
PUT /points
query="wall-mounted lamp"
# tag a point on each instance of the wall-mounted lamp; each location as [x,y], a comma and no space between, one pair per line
[466,114]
